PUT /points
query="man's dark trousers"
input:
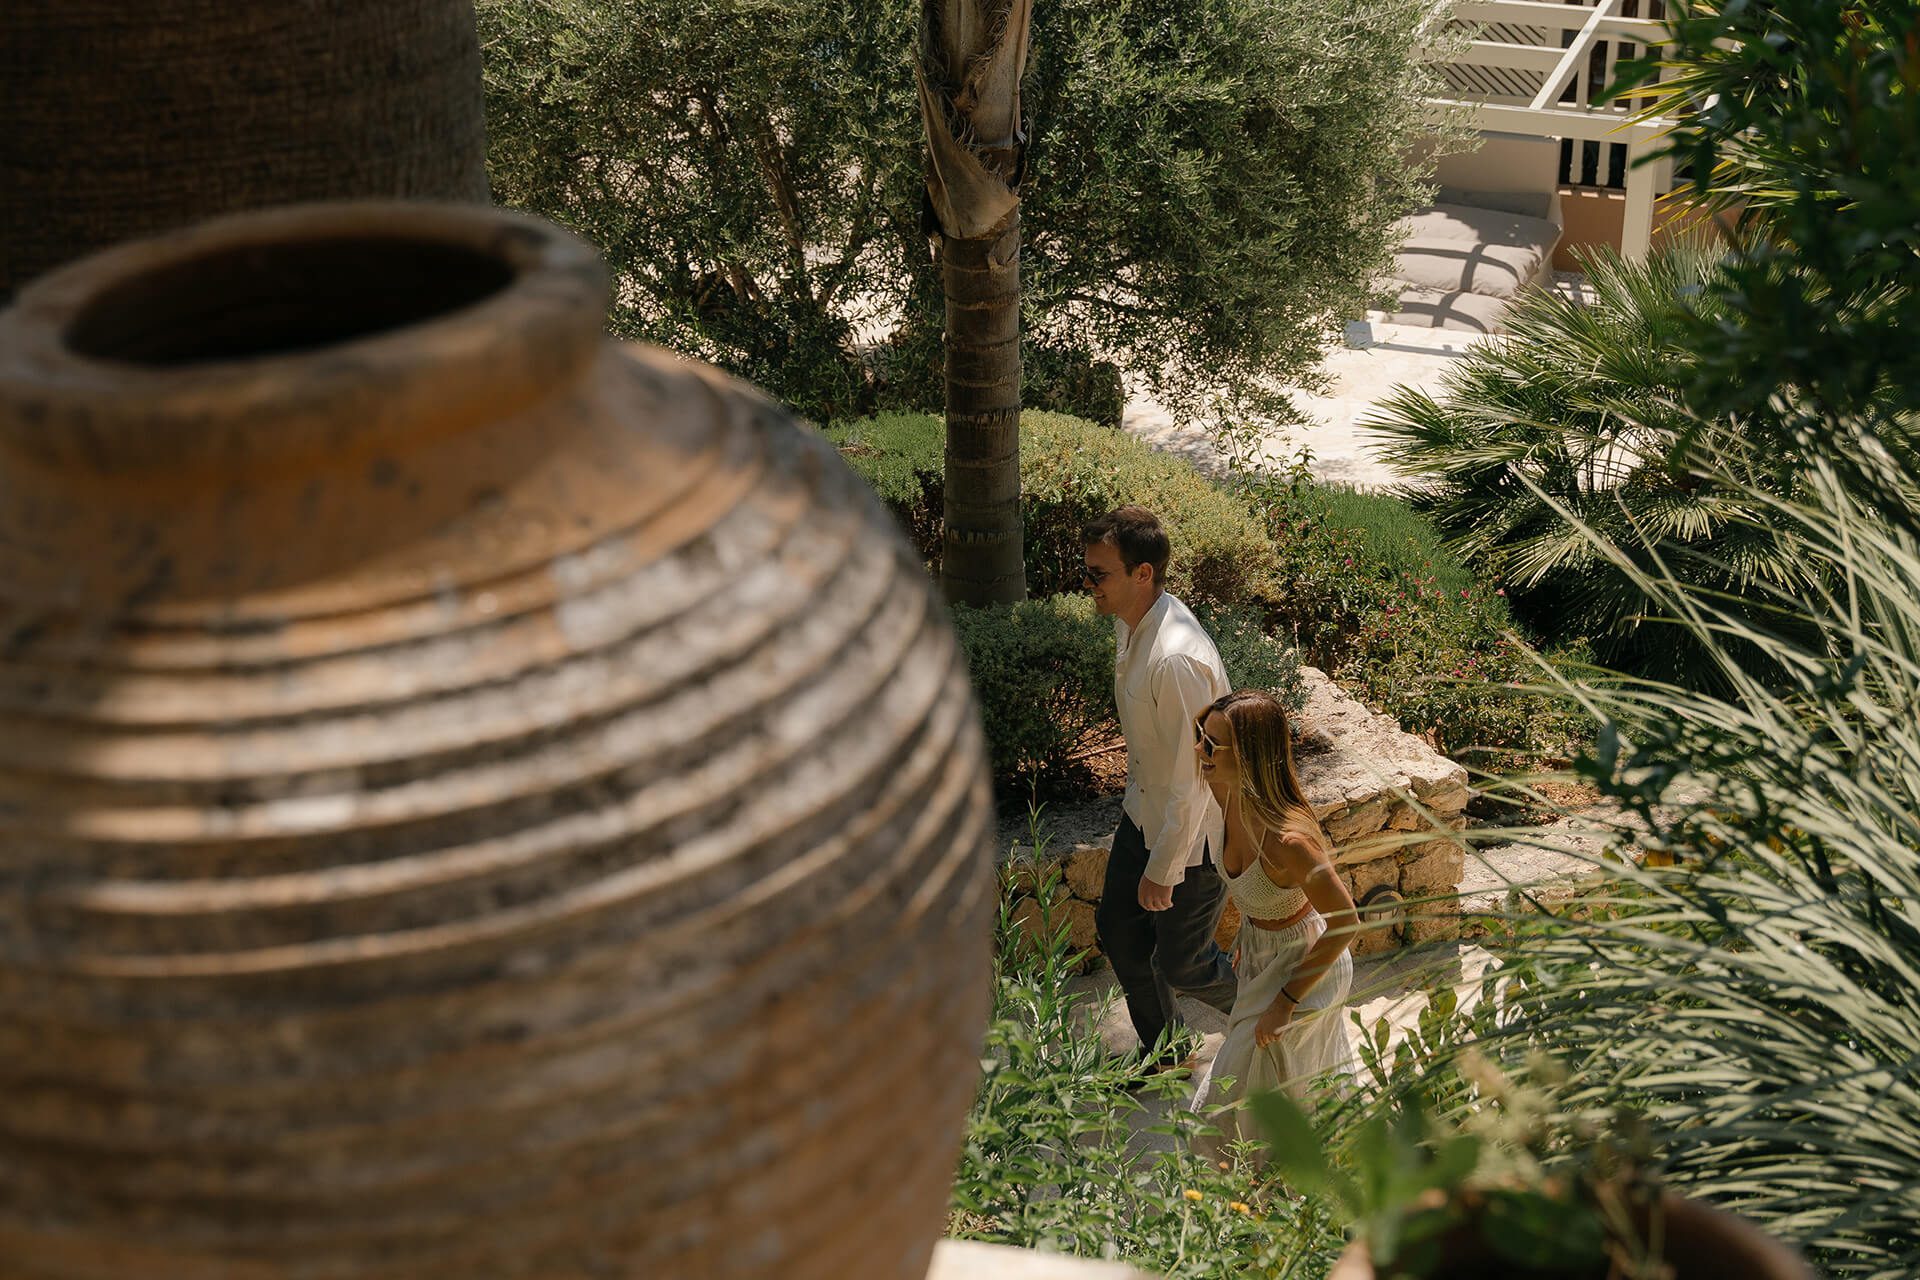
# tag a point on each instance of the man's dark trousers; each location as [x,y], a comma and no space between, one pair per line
[1156,953]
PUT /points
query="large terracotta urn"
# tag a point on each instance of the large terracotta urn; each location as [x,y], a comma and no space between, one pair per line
[475,800]
[127,117]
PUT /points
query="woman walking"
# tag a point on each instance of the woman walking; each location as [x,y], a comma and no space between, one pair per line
[1295,970]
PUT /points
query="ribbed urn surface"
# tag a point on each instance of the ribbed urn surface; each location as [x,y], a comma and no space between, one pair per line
[475,800]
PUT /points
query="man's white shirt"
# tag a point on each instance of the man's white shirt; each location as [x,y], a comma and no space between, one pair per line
[1165,672]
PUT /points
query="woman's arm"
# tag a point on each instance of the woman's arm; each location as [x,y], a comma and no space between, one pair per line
[1293,858]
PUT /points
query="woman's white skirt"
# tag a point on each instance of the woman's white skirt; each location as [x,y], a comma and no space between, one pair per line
[1314,1042]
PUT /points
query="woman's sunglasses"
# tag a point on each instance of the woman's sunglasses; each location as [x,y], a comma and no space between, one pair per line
[1207,745]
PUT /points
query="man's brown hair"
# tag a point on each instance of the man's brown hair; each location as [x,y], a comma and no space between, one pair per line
[1136,534]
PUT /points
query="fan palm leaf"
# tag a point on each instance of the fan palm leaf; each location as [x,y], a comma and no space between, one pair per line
[1579,404]
[1760,1004]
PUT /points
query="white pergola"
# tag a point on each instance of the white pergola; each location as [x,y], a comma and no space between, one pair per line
[1518,66]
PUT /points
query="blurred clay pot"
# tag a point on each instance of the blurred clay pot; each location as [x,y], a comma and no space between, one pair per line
[475,800]
[1695,1241]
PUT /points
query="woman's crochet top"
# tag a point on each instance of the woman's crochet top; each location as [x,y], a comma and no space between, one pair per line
[1255,893]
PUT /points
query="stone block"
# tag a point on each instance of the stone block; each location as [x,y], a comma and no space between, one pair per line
[1379,910]
[1087,870]
[1367,875]
[1027,874]
[1432,868]
[1358,819]
[1380,846]
[1432,922]
[1405,818]
[1082,934]
[1373,942]
[1363,776]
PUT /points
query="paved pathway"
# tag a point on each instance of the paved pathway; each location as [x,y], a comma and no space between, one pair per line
[1375,359]
[1357,377]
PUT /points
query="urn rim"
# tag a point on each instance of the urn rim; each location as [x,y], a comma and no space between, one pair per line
[278,333]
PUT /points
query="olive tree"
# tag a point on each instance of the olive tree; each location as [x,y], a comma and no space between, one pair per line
[1210,186]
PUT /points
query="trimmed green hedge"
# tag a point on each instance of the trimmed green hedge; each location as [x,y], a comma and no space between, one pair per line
[1281,569]
[1043,672]
[1072,471]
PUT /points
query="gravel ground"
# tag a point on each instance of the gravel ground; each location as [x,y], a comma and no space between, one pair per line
[1065,823]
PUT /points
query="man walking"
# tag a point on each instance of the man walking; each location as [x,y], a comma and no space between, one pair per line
[1163,895]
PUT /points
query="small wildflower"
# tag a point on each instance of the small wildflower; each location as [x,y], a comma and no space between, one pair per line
[1500,591]
[1224,1166]
[1192,1195]
[1240,1206]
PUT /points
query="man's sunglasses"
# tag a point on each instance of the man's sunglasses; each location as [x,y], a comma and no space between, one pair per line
[1094,577]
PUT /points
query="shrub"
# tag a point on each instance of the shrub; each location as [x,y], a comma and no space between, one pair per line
[1070,472]
[1253,658]
[1043,673]
[1759,1003]
[1572,420]
[1396,536]
[1449,666]
[1409,637]
[1335,584]
[1073,472]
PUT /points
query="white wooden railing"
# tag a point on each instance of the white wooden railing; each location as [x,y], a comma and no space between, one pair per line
[1518,72]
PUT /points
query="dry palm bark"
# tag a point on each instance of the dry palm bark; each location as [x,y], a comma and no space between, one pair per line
[972,56]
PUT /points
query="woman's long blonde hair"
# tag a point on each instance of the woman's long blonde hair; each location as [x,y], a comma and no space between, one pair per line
[1269,787]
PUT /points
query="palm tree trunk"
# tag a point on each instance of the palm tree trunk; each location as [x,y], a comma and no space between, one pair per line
[972,55]
[981,560]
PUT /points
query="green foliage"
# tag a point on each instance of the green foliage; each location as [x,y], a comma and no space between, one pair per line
[739,166]
[1395,535]
[1254,659]
[1761,999]
[1336,585]
[1444,659]
[1572,421]
[1329,579]
[1805,116]
[1043,673]
[1212,181]
[1052,1159]
[1506,1188]
[1072,471]
[1207,183]
[1450,665]
[899,454]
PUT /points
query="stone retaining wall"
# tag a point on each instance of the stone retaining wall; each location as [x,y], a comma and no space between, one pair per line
[1363,774]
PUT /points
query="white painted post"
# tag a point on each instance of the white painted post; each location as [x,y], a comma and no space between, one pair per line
[1636,223]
